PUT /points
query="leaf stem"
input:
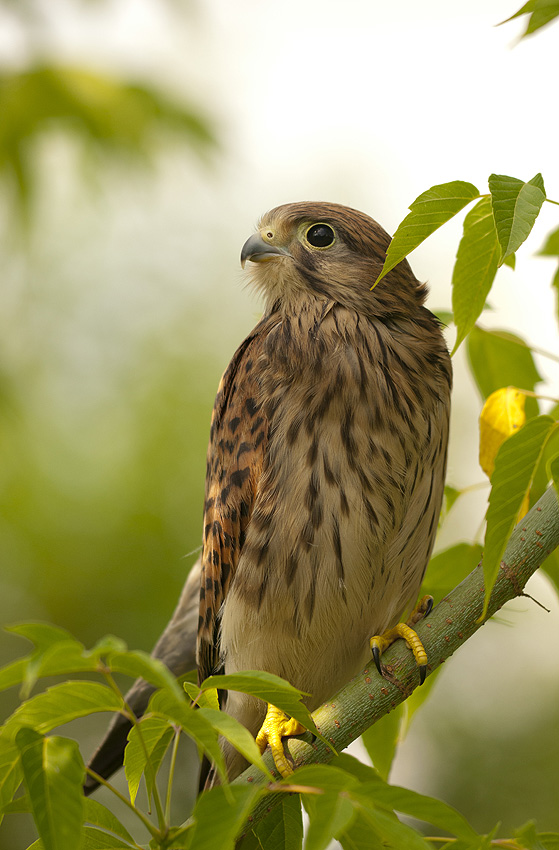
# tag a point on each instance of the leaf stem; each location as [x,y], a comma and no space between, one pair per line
[174,752]
[153,830]
[521,342]
[163,823]
[538,395]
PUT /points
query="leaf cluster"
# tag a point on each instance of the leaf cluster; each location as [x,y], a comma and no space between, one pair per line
[43,773]
[494,229]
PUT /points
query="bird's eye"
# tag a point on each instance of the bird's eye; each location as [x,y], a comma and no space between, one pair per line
[320,235]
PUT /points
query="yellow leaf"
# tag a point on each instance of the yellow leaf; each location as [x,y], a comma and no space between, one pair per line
[502,415]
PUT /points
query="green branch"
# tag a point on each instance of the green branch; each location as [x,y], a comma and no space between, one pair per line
[452,622]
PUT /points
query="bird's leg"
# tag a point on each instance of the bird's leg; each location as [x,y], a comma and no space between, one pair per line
[379,643]
[278,725]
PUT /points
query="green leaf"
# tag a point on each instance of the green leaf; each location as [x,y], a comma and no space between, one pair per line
[236,734]
[328,777]
[528,836]
[382,738]
[448,568]
[141,665]
[553,471]
[250,840]
[524,10]
[219,818]
[106,645]
[544,11]
[551,569]
[516,205]
[99,816]
[13,674]
[282,828]
[269,688]
[21,805]
[42,635]
[543,474]
[476,265]
[445,317]
[391,797]
[501,359]
[548,840]
[59,660]
[451,494]
[419,806]
[10,770]
[515,465]
[203,699]
[555,285]
[390,830]
[96,839]
[417,698]
[148,740]
[332,810]
[329,815]
[53,771]
[428,212]
[56,652]
[551,247]
[359,836]
[192,721]
[63,703]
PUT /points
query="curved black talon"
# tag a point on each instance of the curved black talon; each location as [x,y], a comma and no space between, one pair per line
[422,672]
[429,607]
[376,656]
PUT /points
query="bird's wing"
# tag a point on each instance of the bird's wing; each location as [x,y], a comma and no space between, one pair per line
[238,441]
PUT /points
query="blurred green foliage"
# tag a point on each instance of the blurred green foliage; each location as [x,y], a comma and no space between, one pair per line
[109,117]
[103,513]
[96,521]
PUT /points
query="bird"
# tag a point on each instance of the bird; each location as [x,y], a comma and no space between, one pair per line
[325,473]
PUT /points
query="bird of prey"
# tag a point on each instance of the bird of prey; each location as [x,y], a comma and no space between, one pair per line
[325,473]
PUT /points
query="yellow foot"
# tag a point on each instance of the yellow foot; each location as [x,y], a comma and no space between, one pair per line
[379,643]
[278,725]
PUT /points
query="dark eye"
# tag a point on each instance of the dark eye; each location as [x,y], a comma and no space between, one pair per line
[320,235]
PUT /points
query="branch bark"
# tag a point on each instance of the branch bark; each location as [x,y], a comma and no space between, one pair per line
[451,623]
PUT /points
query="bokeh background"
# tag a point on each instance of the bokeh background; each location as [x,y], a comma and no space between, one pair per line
[139,142]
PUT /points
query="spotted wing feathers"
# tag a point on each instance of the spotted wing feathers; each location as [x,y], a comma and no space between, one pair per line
[238,439]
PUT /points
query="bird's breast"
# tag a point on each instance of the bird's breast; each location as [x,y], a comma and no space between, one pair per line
[344,516]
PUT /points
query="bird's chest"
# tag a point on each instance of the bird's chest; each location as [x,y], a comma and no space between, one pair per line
[331,496]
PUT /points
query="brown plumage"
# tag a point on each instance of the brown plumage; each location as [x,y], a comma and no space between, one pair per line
[326,462]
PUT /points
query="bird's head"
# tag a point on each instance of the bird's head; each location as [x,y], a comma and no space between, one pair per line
[327,251]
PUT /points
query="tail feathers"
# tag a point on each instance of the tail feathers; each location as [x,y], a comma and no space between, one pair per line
[177,649]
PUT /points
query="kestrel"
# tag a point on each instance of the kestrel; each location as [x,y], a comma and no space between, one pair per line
[325,469]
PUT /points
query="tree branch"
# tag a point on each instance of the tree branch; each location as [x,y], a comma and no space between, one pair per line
[451,623]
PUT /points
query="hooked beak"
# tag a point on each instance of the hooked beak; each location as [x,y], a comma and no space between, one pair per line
[257,250]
